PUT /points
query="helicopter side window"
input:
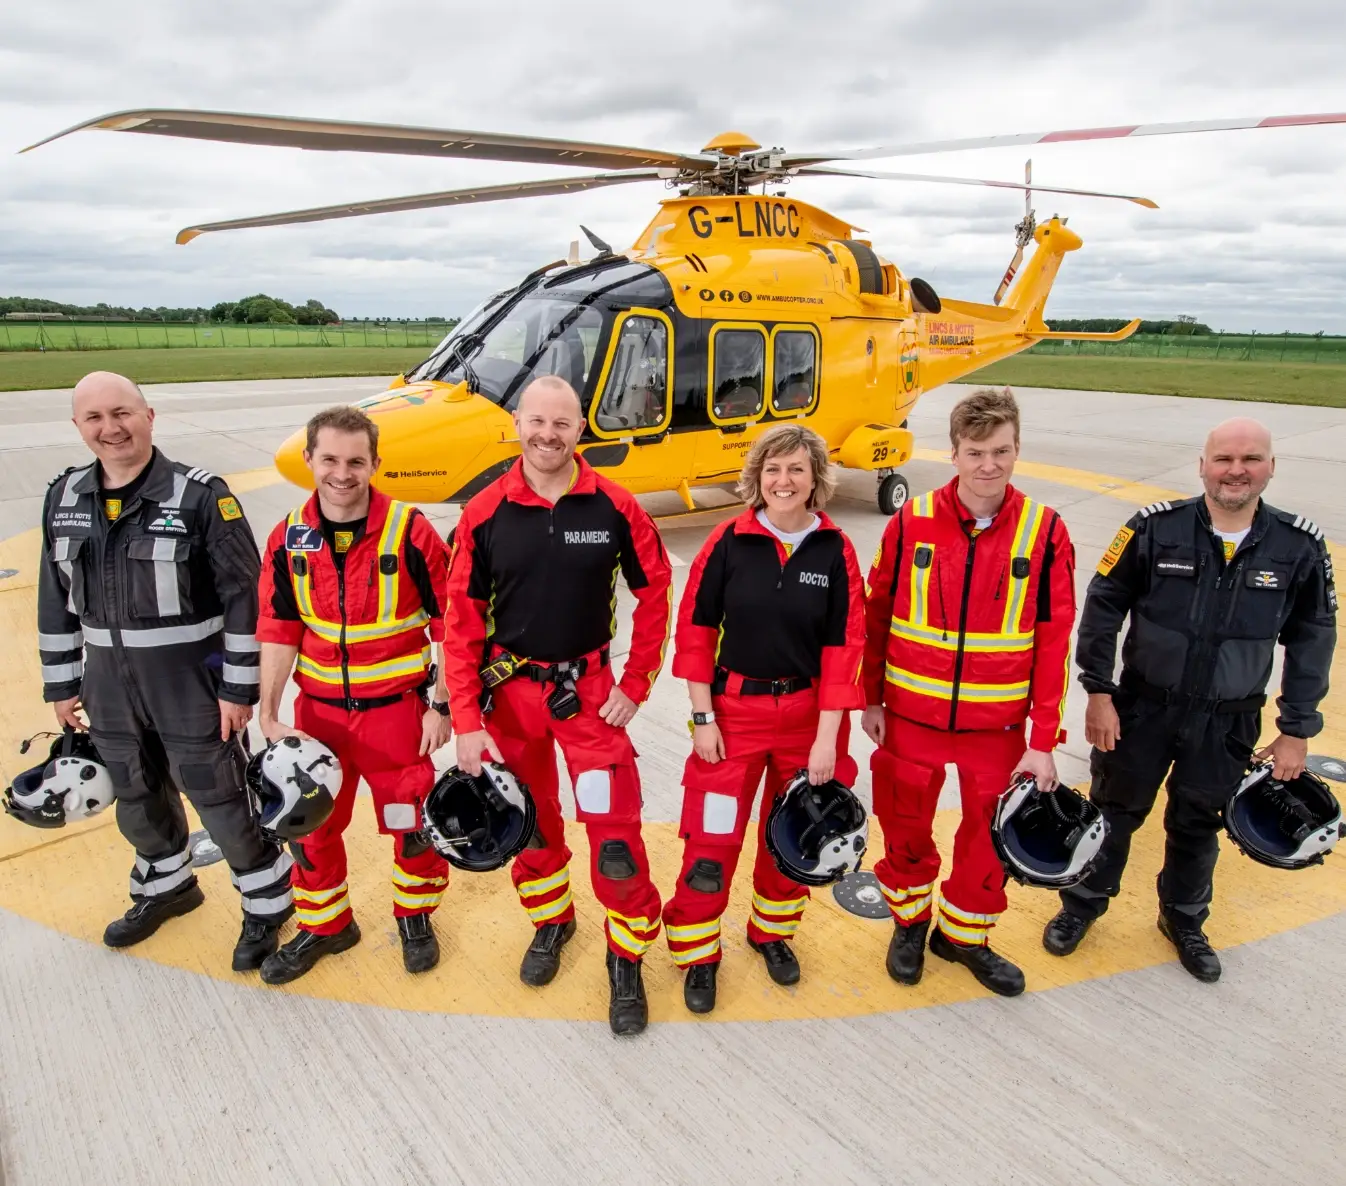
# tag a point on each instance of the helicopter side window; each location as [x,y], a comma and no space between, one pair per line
[636,394]
[793,370]
[739,375]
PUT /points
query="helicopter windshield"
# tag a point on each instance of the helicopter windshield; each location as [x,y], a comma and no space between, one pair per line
[468,325]
[538,336]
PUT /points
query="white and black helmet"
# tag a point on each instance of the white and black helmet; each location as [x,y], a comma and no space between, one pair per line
[817,835]
[479,823]
[1046,838]
[72,784]
[1287,825]
[293,785]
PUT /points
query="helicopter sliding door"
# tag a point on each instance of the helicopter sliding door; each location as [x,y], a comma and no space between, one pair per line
[633,400]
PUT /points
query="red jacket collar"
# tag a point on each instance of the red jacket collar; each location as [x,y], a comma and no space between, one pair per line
[378,511]
[518,490]
[948,503]
[746,523]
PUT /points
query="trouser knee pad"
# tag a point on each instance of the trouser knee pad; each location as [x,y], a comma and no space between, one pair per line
[615,860]
[705,876]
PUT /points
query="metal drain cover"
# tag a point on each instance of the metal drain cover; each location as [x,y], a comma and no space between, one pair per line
[859,893]
[203,849]
[1325,767]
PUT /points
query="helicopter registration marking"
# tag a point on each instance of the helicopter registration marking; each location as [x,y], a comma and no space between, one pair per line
[765,220]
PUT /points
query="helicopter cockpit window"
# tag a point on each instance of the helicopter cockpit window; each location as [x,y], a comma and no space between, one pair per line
[432,366]
[740,373]
[792,370]
[636,393]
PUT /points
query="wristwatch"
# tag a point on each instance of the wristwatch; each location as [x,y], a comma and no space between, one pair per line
[440,706]
[703,718]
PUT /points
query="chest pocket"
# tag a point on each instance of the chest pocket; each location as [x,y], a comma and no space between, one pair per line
[158,577]
[70,553]
[1257,600]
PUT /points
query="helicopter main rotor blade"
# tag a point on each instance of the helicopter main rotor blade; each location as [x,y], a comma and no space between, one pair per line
[404,140]
[1066,135]
[453,197]
[825,171]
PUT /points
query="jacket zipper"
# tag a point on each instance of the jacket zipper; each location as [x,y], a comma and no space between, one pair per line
[962,631]
[1234,586]
[345,654]
[1000,583]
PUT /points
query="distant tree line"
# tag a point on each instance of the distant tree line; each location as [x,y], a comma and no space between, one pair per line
[272,310]
[101,311]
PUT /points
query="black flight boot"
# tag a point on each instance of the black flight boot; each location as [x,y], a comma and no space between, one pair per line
[1063,934]
[698,989]
[148,914]
[420,948]
[1194,953]
[299,955]
[259,938]
[992,971]
[906,952]
[627,1011]
[781,964]
[542,960]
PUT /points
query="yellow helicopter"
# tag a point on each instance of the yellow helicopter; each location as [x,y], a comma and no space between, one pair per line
[738,307]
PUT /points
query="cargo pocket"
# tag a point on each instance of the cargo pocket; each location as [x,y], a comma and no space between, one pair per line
[156,572]
[66,554]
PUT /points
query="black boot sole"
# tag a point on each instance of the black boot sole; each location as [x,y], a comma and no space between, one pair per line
[175,907]
[952,956]
[546,973]
[1063,949]
[786,976]
[1206,977]
[287,973]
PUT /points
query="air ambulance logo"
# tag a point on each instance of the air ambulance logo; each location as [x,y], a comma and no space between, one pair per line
[909,365]
[392,401]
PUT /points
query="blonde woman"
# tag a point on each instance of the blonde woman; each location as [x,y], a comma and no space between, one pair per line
[770,637]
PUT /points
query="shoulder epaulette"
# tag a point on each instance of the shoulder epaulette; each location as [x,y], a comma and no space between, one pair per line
[197,474]
[69,469]
[1306,525]
[1155,508]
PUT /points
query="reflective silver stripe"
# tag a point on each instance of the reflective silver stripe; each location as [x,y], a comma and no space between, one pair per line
[59,642]
[265,906]
[246,644]
[197,474]
[166,579]
[164,864]
[179,489]
[62,673]
[157,886]
[262,878]
[234,674]
[69,496]
[60,551]
[158,636]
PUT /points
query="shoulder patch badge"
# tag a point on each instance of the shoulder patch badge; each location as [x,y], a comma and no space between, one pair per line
[229,509]
[1115,550]
[1155,508]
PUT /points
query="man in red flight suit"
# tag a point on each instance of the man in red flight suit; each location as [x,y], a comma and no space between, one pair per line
[353,587]
[968,621]
[532,601]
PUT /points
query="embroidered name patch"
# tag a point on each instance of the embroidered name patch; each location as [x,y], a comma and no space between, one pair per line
[1115,550]
[1263,578]
[167,523]
[1175,568]
[300,537]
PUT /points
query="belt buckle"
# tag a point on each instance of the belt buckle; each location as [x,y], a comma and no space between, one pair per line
[780,687]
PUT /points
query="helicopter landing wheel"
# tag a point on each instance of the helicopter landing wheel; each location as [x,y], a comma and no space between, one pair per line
[893,493]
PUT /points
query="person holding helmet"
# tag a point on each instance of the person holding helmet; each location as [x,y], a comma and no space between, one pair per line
[353,589]
[146,612]
[532,602]
[770,638]
[971,605]
[1211,585]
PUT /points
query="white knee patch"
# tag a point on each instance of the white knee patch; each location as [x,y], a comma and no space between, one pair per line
[593,792]
[719,813]
[399,817]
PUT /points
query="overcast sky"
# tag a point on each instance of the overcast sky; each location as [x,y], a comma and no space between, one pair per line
[1249,234]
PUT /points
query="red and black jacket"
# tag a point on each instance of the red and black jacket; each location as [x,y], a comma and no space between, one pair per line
[540,581]
[762,613]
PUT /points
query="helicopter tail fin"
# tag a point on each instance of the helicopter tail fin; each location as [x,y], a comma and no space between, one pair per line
[1028,296]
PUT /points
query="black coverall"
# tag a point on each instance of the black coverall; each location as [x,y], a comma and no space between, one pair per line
[150,619]
[1195,666]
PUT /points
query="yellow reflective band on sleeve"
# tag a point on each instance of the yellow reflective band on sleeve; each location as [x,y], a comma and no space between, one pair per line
[925,685]
[1115,549]
[365,673]
[1025,539]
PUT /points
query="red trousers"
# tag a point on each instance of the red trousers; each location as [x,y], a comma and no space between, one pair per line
[762,735]
[602,765]
[382,746]
[908,774]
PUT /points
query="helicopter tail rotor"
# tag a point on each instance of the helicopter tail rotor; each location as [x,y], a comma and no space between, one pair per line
[1023,234]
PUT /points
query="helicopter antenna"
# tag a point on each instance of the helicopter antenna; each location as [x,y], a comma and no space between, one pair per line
[603,248]
[1023,233]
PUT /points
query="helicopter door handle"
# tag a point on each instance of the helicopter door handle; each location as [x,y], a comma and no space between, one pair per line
[655,439]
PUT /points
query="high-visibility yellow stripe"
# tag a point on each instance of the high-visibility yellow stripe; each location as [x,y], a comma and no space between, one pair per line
[901,895]
[943,689]
[403,878]
[623,932]
[912,907]
[981,642]
[774,927]
[316,918]
[966,917]
[302,583]
[390,544]
[920,588]
[1025,539]
[691,955]
[330,631]
[923,507]
[364,672]
[550,909]
[417,901]
[317,897]
[530,889]
[766,904]
[693,931]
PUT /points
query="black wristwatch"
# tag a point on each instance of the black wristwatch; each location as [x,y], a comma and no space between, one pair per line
[703,718]
[440,706]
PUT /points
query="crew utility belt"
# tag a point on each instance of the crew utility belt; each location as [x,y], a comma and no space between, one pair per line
[358,704]
[1166,696]
[737,685]
[564,701]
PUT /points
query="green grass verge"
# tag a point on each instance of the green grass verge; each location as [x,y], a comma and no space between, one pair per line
[28,371]
[1281,383]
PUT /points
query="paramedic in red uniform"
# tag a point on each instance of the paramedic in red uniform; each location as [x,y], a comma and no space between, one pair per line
[971,604]
[770,639]
[531,610]
[352,595]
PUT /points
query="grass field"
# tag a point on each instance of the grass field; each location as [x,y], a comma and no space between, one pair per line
[29,371]
[1281,383]
[145,335]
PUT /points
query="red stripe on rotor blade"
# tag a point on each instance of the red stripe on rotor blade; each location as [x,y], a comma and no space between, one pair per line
[1290,121]
[1089,134]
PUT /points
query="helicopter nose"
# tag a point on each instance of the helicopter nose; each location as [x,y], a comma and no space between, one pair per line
[290,461]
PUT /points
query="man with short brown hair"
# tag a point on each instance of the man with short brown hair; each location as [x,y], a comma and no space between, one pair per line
[968,622]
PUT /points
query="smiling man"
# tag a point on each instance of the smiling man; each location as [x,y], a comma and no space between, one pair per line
[968,620]
[1211,585]
[147,611]
[532,606]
